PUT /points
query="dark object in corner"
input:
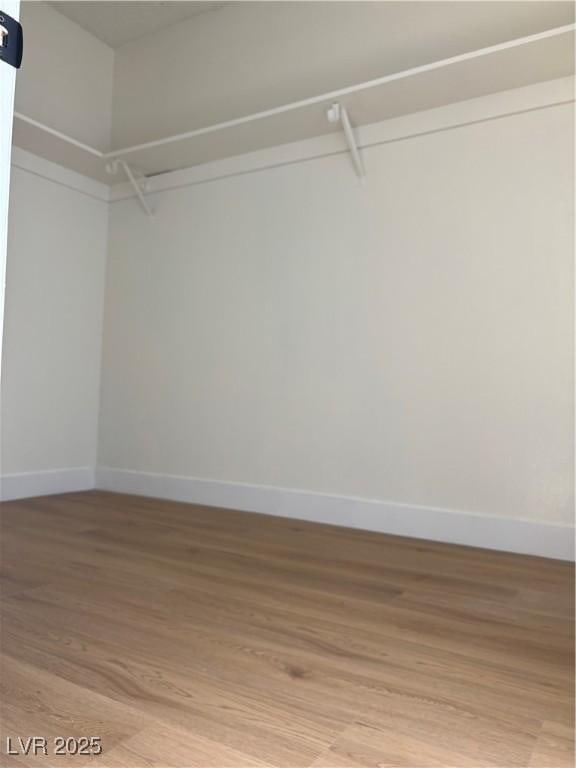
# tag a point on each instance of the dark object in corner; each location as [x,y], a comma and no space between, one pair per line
[11,40]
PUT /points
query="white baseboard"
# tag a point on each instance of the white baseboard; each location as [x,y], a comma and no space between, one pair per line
[500,533]
[27,484]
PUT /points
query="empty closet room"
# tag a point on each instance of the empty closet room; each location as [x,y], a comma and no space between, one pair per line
[287,384]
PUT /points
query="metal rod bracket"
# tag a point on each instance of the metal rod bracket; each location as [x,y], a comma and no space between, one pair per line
[336,113]
[138,181]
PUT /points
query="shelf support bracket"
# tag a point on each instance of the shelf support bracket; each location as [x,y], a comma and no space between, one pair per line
[138,188]
[138,184]
[336,113]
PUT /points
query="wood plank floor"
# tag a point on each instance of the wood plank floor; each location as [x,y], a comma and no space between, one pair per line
[195,637]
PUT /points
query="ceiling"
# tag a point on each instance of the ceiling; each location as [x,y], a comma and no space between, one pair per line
[116,22]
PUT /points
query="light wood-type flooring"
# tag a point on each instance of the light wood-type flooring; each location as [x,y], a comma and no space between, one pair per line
[205,638]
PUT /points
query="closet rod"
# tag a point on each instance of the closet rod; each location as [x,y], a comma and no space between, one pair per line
[59,135]
[334,95]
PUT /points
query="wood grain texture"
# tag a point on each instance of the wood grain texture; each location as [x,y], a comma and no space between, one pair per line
[192,636]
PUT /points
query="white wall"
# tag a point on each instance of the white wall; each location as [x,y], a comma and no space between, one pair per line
[406,341]
[66,79]
[56,265]
[52,329]
[396,356]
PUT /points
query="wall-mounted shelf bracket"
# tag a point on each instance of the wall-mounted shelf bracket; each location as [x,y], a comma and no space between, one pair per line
[138,181]
[336,113]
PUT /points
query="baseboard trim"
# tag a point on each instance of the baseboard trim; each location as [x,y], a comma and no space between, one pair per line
[25,485]
[436,524]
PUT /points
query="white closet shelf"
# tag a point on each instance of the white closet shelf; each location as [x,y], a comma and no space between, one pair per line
[544,56]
